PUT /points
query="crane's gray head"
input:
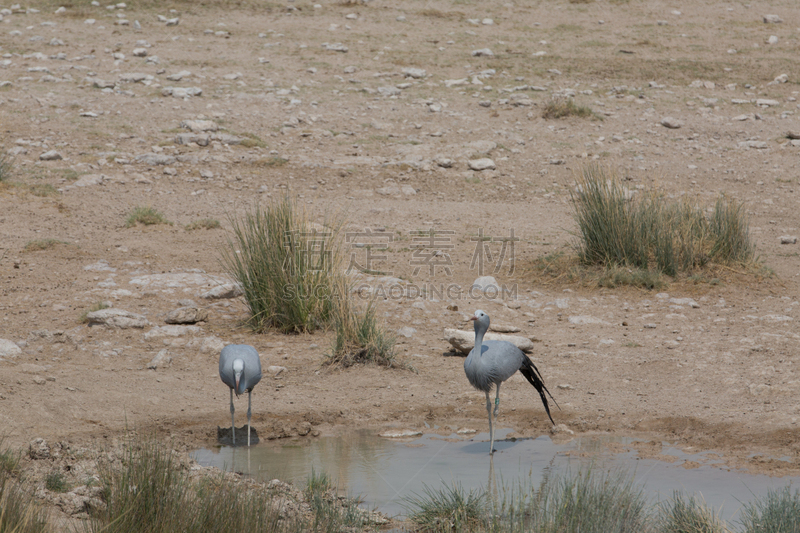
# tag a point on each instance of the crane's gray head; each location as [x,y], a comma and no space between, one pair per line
[481,319]
[238,368]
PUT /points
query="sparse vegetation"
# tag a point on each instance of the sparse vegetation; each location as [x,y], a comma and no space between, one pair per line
[560,107]
[681,514]
[778,512]
[84,318]
[153,491]
[19,510]
[273,161]
[203,223]
[447,509]
[360,338]
[291,273]
[145,215]
[42,244]
[289,269]
[5,166]
[645,231]
[55,481]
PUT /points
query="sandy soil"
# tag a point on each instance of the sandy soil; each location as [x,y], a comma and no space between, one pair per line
[351,132]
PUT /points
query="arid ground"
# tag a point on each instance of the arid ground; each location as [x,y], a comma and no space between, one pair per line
[374,111]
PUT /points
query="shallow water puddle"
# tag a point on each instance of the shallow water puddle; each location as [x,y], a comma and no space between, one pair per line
[382,471]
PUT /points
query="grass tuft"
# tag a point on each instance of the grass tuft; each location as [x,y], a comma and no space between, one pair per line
[146,215]
[55,481]
[42,244]
[203,223]
[650,233]
[361,339]
[777,512]
[682,515]
[565,107]
[447,509]
[6,165]
[288,269]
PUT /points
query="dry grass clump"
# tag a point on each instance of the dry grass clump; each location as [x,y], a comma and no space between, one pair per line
[565,107]
[145,215]
[360,338]
[649,232]
[292,275]
[19,510]
[42,244]
[203,223]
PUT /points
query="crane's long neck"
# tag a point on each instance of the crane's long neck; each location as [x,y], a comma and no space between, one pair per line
[475,355]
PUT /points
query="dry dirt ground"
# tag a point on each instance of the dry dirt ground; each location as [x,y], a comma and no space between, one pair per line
[357,132]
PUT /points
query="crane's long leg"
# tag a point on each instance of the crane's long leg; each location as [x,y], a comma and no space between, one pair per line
[491,429]
[248,417]
[497,400]
[233,426]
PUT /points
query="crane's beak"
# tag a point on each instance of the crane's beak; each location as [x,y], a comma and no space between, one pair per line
[236,390]
[474,318]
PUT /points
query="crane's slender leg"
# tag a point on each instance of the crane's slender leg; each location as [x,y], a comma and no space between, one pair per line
[248,416]
[491,429]
[497,400]
[233,426]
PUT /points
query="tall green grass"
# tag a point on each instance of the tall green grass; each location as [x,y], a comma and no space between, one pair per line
[682,514]
[649,232]
[778,512]
[290,271]
[448,509]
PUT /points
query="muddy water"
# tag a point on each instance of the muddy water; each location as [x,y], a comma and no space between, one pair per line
[383,471]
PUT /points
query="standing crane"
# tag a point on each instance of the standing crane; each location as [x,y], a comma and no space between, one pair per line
[240,369]
[493,362]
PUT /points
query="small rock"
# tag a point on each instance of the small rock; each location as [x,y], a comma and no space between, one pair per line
[486,284]
[561,428]
[482,164]
[50,155]
[276,370]
[186,315]
[760,145]
[671,123]
[9,349]
[408,190]
[39,449]
[789,239]
[406,332]
[220,292]
[772,19]
[483,52]
[466,431]
[416,73]
[773,39]
[585,319]
[117,319]
[161,359]
[766,102]
[178,76]
[140,52]
[444,162]
[335,47]
[464,341]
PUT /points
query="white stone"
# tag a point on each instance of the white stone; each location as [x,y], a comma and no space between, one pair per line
[9,349]
[772,19]
[483,52]
[464,341]
[400,433]
[117,319]
[585,319]
[482,164]
[671,123]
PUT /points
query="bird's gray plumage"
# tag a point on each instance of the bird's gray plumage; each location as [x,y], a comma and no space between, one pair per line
[240,369]
[492,362]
